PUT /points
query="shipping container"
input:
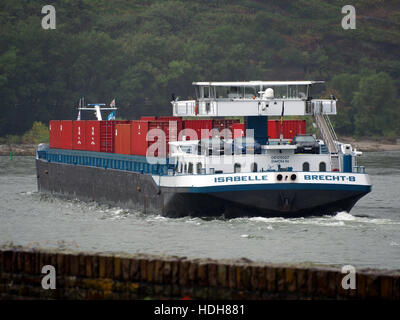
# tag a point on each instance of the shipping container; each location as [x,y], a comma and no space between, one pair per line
[139,129]
[152,118]
[107,132]
[54,133]
[92,135]
[100,135]
[238,130]
[171,129]
[65,134]
[221,124]
[289,128]
[198,126]
[143,137]
[78,135]
[123,138]
[170,118]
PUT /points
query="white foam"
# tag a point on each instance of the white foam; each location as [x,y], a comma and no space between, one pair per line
[394,244]
[268,220]
[340,219]
[156,218]
[344,216]
[304,221]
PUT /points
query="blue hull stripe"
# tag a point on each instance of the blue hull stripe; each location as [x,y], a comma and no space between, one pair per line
[282,186]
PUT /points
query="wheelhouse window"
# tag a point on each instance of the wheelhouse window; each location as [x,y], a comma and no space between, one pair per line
[306,166]
[322,166]
[205,92]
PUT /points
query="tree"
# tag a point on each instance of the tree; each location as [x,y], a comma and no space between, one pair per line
[377,106]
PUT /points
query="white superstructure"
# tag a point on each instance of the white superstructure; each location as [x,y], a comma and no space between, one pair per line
[254,98]
[260,99]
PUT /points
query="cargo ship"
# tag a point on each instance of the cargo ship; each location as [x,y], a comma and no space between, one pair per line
[229,152]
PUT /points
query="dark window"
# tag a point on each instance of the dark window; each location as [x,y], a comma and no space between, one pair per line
[199,166]
[310,139]
[306,166]
[322,166]
[237,167]
[190,170]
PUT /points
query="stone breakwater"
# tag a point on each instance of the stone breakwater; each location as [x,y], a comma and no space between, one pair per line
[18,149]
[121,276]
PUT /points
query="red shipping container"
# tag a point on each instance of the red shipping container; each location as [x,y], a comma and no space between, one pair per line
[197,126]
[171,129]
[100,135]
[65,132]
[238,130]
[222,124]
[170,118]
[293,128]
[142,139]
[78,135]
[139,131]
[123,138]
[273,131]
[92,135]
[289,128]
[107,132]
[151,118]
[54,133]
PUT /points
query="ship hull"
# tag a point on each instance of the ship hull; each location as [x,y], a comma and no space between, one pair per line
[269,203]
[141,192]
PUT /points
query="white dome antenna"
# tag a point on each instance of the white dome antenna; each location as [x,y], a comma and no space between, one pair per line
[268,94]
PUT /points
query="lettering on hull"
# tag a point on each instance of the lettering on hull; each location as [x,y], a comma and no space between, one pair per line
[321,177]
[240,178]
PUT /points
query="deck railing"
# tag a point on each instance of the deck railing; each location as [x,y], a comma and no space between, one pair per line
[106,161]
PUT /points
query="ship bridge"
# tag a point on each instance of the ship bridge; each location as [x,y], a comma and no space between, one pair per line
[257,100]
[254,98]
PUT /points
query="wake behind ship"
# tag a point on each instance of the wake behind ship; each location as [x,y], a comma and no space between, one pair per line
[198,162]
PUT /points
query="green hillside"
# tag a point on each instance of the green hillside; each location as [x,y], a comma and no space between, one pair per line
[140,52]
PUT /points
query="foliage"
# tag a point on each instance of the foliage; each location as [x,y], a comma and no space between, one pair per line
[37,134]
[141,51]
[10,139]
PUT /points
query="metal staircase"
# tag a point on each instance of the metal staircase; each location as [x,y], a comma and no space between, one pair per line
[329,136]
[327,133]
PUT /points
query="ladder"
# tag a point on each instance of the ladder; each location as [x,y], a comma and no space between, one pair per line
[327,133]
[329,136]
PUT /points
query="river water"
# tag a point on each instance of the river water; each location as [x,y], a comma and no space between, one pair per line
[367,237]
